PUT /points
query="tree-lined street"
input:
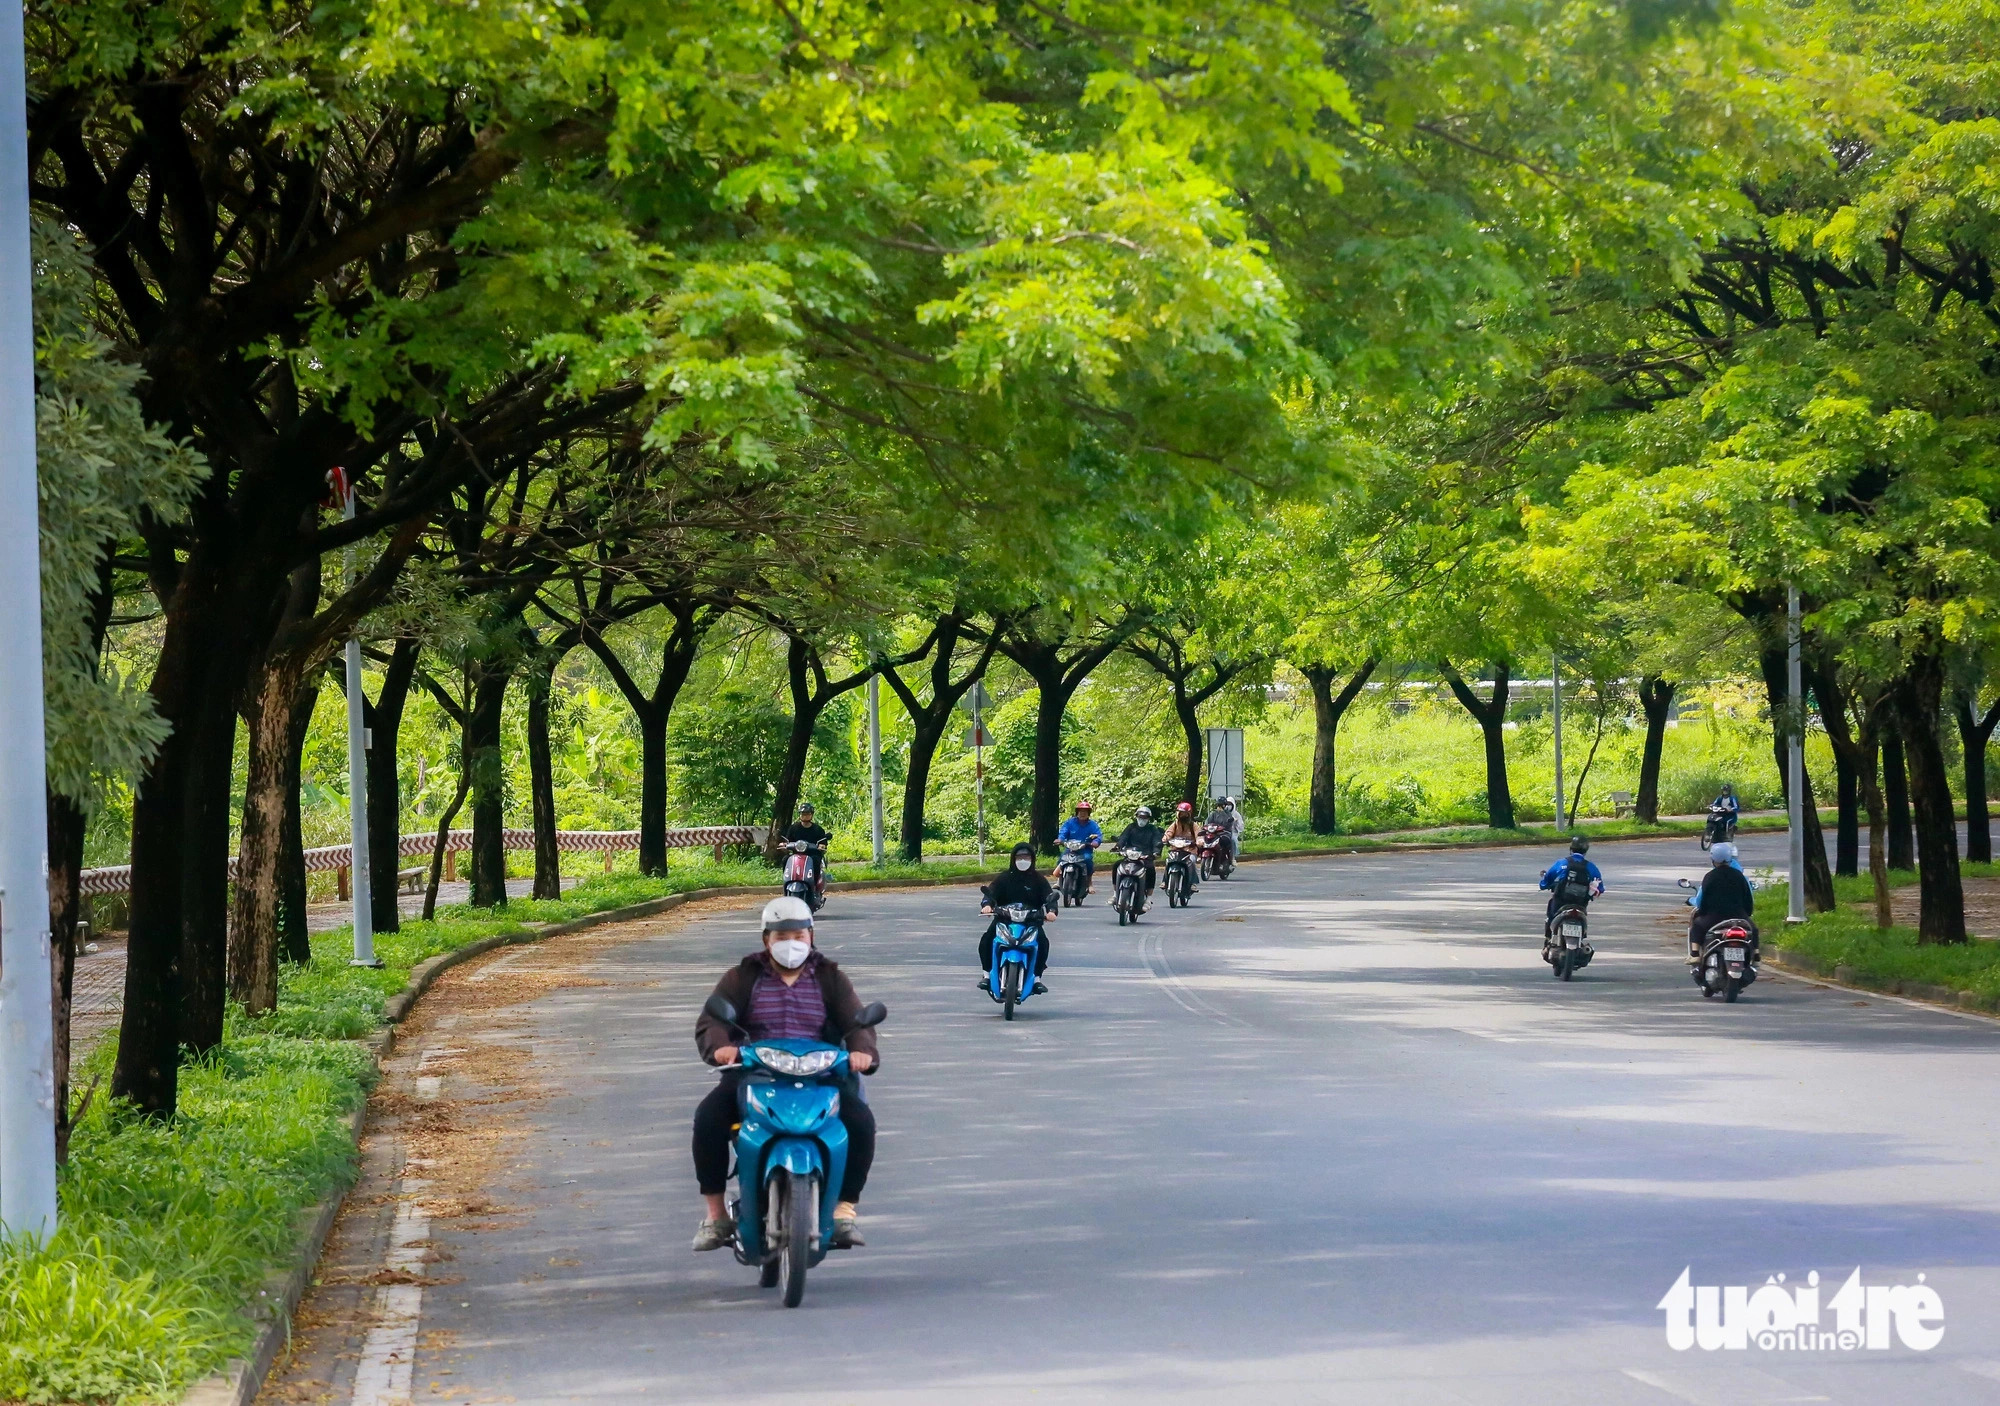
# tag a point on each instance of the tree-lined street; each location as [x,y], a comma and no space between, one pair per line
[1331,1134]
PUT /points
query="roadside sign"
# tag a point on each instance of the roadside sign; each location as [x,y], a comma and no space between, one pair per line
[1225,762]
[976,700]
[978,736]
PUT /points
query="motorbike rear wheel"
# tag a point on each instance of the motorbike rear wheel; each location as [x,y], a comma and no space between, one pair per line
[767,1274]
[795,1248]
[1733,990]
[1559,968]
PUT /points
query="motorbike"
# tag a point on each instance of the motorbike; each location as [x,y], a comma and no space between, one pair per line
[1129,885]
[1566,942]
[805,873]
[1721,827]
[1178,880]
[791,1149]
[1017,943]
[1073,873]
[1726,959]
[1218,852]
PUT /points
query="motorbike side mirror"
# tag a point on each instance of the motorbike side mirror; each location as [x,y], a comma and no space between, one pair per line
[1686,883]
[720,1009]
[872,1014]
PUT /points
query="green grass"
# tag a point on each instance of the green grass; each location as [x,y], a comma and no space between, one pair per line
[1285,840]
[1881,958]
[168,1229]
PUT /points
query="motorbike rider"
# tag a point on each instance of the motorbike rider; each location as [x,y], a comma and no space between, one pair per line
[808,829]
[789,990]
[1019,882]
[1723,893]
[1143,835]
[1184,828]
[1082,828]
[1230,819]
[1572,880]
[1727,801]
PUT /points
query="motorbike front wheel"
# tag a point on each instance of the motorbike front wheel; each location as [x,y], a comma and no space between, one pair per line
[795,1246]
[1010,989]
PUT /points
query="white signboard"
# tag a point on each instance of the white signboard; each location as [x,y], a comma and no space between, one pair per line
[1225,762]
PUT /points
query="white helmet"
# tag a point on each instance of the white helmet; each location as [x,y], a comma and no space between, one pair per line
[787,914]
[1722,853]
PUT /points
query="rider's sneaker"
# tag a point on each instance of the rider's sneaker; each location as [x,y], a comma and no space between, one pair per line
[986,981]
[847,1233]
[1041,989]
[714,1234]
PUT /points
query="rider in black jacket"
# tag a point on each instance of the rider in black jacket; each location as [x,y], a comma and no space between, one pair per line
[1724,893]
[808,829]
[1142,834]
[1020,882]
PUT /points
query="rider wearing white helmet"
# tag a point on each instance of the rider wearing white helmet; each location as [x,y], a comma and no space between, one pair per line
[788,990]
[1724,893]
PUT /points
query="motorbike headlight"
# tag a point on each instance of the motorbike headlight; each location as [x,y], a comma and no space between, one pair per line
[785,1062]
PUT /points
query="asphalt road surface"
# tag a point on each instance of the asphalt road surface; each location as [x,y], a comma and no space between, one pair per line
[1333,1134]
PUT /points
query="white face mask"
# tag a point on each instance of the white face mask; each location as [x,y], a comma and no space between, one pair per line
[790,952]
[1024,864]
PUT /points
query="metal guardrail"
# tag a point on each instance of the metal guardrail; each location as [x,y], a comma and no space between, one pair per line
[117,878]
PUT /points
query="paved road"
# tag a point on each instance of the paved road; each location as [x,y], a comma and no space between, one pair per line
[1332,1135]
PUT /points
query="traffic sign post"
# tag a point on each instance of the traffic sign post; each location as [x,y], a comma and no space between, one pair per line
[1225,762]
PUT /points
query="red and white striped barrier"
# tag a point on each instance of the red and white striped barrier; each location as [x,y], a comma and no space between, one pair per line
[118,878]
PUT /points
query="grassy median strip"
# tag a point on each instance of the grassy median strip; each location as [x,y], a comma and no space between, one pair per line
[1283,841]
[169,1229]
[1847,942]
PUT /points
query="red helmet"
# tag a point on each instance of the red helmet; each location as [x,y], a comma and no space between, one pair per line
[1083,805]
[1184,808]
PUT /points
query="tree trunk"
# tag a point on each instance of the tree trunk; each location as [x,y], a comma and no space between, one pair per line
[1973,734]
[294,935]
[1896,786]
[384,720]
[806,709]
[1919,705]
[65,840]
[1818,877]
[1491,715]
[1328,709]
[1878,835]
[929,734]
[444,838]
[1847,832]
[1822,679]
[652,791]
[253,936]
[485,766]
[1188,713]
[1656,698]
[653,711]
[542,779]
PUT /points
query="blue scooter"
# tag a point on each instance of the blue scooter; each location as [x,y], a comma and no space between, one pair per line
[791,1149]
[1017,944]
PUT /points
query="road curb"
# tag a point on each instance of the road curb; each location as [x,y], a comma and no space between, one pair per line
[238,1383]
[1843,975]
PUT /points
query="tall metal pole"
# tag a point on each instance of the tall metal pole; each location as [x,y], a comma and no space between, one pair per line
[357,790]
[978,778]
[1795,757]
[875,756]
[1556,680]
[27,1029]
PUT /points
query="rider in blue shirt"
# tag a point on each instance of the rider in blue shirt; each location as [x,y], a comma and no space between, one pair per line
[1082,827]
[1579,847]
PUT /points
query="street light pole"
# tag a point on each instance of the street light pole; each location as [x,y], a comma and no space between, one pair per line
[357,785]
[27,1024]
[875,757]
[1795,757]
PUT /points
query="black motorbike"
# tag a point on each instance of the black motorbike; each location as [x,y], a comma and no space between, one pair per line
[1721,827]
[1178,880]
[1566,942]
[1128,882]
[1073,873]
[1727,959]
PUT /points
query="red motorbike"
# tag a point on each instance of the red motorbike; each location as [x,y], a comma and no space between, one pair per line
[805,873]
[1217,851]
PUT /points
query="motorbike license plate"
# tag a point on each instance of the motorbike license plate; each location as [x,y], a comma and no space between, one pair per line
[1572,929]
[1737,955]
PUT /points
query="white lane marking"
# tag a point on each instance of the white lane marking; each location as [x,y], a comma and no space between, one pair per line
[1736,1389]
[1152,949]
[389,1354]
[430,1085]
